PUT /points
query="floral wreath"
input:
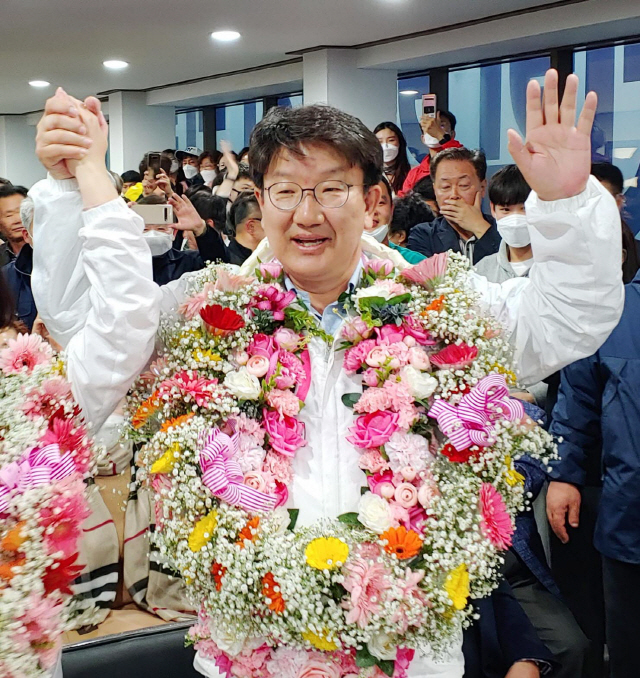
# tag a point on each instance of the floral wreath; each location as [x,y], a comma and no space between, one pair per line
[45,455]
[436,434]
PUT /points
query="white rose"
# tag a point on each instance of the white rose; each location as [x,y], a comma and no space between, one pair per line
[243,385]
[374,513]
[383,646]
[421,385]
[374,291]
[280,519]
[228,642]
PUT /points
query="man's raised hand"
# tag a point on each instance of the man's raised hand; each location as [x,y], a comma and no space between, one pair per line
[555,158]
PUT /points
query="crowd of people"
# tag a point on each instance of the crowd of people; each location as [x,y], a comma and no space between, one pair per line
[567,592]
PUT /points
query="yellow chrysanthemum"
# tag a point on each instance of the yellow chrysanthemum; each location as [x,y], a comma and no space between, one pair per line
[320,642]
[511,476]
[203,531]
[457,586]
[167,461]
[510,376]
[326,553]
[206,356]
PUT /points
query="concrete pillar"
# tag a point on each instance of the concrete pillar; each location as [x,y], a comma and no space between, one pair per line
[136,128]
[331,76]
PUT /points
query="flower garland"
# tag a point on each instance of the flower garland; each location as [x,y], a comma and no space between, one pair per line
[44,456]
[436,434]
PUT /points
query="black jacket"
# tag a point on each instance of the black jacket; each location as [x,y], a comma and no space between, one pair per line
[173,264]
[6,254]
[439,236]
[238,253]
[18,277]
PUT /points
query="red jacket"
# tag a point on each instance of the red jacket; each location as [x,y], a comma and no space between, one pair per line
[423,169]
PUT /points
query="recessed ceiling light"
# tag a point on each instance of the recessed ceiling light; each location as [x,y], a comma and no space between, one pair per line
[39,83]
[225,36]
[624,153]
[115,64]
[408,91]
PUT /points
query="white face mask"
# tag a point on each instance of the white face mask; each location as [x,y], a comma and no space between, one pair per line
[514,230]
[389,152]
[208,175]
[158,241]
[379,233]
[430,142]
[190,171]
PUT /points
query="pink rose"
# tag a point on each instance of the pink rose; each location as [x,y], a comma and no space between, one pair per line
[419,359]
[289,368]
[379,267]
[241,357]
[382,484]
[408,473]
[272,298]
[255,480]
[261,344]
[413,328]
[370,377]
[356,330]
[286,339]
[389,334]
[377,357]
[319,669]
[374,429]
[427,493]
[270,271]
[284,402]
[286,434]
[258,366]
[406,495]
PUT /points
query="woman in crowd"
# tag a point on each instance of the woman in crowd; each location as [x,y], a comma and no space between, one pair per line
[394,153]
[208,166]
[407,212]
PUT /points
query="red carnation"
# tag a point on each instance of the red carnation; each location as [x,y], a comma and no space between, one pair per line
[221,321]
[462,456]
[62,576]
[454,357]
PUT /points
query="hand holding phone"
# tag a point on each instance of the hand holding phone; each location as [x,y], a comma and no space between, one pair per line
[153,160]
[429,105]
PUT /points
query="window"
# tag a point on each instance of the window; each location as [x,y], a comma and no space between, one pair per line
[614,74]
[235,122]
[410,91]
[189,130]
[290,100]
[488,100]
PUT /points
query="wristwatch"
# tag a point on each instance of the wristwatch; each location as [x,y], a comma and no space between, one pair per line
[445,139]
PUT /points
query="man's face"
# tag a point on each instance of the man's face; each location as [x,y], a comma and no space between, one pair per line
[149,182]
[317,246]
[253,225]
[127,185]
[207,164]
[239,186]
[11,228]
[190,160]
[384,209]
[457,180]
[500,211]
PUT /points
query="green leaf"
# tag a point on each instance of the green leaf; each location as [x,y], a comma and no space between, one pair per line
[350,519]
[364,489]
[368,302]
[400,299]
[364,658]
[293,515]
[350,399]
[387,666]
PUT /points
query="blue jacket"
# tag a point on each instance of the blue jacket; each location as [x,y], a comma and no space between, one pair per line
[598,411]
[174,264]
[18,276]
[439,236]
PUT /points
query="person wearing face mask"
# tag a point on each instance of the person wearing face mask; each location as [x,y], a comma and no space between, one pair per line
[189,159]
[437,134]
[394,154]
[208,166]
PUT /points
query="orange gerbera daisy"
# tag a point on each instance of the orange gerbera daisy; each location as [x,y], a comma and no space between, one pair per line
[271,590]
[402,542]
[14,539]
[218,571]
[435,305]
[176,421]
[148,408]
[6,569]
[249,531]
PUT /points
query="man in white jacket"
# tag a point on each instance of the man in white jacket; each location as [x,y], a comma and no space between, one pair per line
[316,172]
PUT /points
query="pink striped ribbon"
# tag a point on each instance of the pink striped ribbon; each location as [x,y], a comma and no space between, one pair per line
[471,422]
[40,466]
[223,476]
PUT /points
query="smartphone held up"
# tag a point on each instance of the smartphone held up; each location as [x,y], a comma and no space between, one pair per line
[429,107]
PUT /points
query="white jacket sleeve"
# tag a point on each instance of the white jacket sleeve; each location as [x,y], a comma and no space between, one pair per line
[574,295]
[94,289]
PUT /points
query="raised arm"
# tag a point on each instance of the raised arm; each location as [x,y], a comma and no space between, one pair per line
[574,295]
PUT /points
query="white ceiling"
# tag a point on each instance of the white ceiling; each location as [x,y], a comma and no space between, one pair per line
[167,41]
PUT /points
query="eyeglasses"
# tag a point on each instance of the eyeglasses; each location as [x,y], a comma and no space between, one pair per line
[287,195]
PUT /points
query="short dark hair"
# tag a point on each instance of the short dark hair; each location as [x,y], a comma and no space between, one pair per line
[4,182]
[605,171]
[211,207]
[244,171]
[387,185]
[477,158]
[9,190]
[214,156]
[131,176]
[243,206]
[409,211]
[424,188]
[508,187]
[290,128]
[153,199]
[448,115]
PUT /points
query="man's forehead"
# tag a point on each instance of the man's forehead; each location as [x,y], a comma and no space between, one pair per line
[319,158]
[456,169]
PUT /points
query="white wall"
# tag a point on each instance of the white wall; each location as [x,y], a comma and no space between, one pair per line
[18,161]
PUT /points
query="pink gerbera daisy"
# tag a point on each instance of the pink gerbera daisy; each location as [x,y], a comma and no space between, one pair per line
[25,352]
[495,522]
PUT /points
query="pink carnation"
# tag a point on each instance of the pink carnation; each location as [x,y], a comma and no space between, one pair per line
[286,434]
[355,356]
[401,402]
[373,461]
[284,402]
[495,522]
[408,449]
[373,430]
[251,427]
[25,352]
[367,583]
[372,400]
[279,467]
